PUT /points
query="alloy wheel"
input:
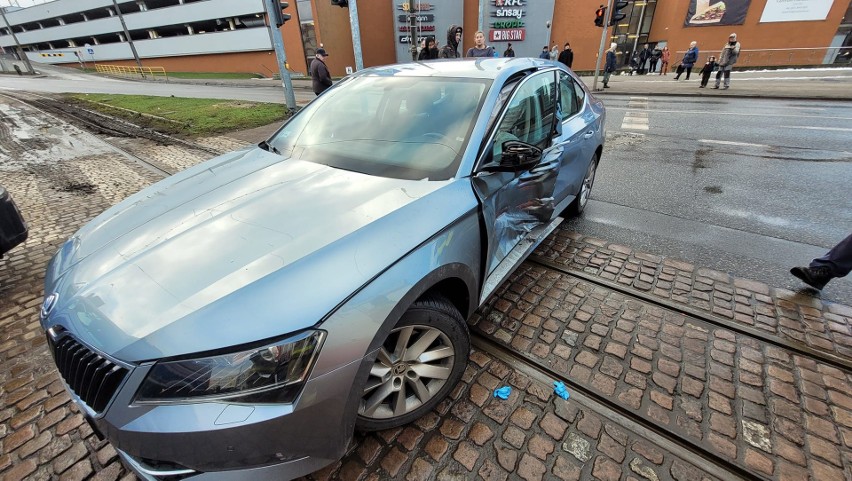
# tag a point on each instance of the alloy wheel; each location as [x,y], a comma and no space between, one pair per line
[411,367]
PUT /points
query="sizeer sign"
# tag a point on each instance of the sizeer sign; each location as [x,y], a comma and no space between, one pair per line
[508,24]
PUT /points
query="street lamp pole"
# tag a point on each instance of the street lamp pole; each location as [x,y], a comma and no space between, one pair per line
[21,52]
[129,40]
[412,29]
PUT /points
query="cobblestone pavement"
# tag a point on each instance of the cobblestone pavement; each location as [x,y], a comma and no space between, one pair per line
[776,414]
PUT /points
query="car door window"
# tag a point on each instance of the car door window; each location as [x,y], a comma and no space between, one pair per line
[581,95]
[567,96]
[529,115]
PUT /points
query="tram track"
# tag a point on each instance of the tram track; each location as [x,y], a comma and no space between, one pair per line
[679,446]
[103,126]
[800,349]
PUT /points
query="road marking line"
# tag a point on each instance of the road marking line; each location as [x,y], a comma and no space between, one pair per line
[738,114]
[727,142]
[839,129]
[636,119]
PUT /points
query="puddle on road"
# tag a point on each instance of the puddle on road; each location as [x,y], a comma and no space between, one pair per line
[29,138]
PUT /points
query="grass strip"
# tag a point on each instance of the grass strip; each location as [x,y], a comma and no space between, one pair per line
[184,116]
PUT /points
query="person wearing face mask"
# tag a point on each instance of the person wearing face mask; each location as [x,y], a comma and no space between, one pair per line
[454,36]
[730,54]
[479,48]
[430,52]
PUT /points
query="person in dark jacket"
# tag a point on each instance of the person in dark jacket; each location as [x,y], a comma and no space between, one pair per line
[644,56]
[707,70]
[509,51]
[479,48]
[430,52]
[320,78]
[566,56]
[609,66]
[688,61]
[545,53]
[655,57]
[454,36]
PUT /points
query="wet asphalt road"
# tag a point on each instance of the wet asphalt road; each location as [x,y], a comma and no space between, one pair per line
[742,185]
[747,186]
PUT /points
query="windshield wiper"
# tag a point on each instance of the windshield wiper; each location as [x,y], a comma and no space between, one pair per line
[268,147]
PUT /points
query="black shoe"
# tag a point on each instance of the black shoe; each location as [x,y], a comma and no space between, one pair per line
[716,87]
[816,277]
[606,86]
[701,86]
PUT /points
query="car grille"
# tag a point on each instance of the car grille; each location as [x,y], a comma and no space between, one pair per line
[92,377]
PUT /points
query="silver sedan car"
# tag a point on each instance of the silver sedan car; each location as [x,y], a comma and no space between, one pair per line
[242,318]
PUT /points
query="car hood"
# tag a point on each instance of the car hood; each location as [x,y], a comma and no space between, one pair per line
[241,248]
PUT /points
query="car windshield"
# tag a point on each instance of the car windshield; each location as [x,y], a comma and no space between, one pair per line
[400,127]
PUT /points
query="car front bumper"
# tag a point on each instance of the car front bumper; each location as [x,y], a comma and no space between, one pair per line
[207,441]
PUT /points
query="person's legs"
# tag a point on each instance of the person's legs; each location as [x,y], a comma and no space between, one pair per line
[688,71]
[606,79]
[727,77]
[664,68]
[835,263]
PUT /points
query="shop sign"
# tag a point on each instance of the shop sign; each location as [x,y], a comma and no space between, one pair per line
[421,28]
[407,39]
[507,35]
[511,29]
[418,6]
[420,18]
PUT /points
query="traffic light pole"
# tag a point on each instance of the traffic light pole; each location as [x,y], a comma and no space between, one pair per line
[356,34]
[604,36]
[281,55]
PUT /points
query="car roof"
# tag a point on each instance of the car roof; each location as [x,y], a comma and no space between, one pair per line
[485,68]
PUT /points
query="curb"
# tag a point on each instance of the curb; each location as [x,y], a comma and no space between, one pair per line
[601,93]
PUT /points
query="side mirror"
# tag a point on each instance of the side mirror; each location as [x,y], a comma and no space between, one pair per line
[517,156]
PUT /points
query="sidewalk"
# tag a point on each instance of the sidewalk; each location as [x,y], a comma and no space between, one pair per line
[834,84]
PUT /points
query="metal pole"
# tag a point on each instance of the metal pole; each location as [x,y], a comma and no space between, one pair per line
[412,29]
[638,32]
[281,56]
[356,34]
[481,23]
[21,52]
[129,40]
[604,36]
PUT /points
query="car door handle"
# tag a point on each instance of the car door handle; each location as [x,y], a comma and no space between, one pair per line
[589,134]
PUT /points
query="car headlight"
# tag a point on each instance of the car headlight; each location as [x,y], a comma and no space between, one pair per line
[270,374]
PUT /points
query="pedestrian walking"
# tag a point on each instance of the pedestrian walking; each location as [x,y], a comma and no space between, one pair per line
[707,70]
[834,264]
[479,48]
[688,61]
[320,78]
[566,56]
[609,66]
[664,60]
[509,51]
[554,53]
[644,56]
[430,52]
[729,56]
[655,57]
[545,54]
[454,36]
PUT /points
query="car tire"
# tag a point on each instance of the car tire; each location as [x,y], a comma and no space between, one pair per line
[577,207]
[401,388]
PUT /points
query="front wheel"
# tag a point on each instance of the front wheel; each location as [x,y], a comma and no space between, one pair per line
[420,362]
[579,205]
